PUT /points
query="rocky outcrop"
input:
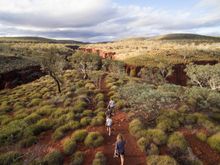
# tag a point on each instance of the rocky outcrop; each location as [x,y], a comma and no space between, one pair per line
[101,53]
[17,77]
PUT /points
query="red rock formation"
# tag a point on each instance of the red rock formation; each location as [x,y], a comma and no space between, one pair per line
[101,53]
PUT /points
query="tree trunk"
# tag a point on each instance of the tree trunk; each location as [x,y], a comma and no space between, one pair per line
[57,81]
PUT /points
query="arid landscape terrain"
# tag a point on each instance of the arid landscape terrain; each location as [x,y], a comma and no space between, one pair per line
[54,95]
[109,82]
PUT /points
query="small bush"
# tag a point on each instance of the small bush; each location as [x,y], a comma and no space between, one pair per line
[79,106]
[143,143]
[79,135]
[184,108]
[45,110]
[9,158]
[152,149]
[5,108]
[69,146]
[120,104]
[161,160]
[41,126]
[54,158]
[101,104]
[29,141]
[88,113]
[93,139]
[85,121]
[99,97]
[201,136]
[214,141]
[35,101]
[136,128]
[177,141]
[90,86]
[78,158]
[100,159]
[190,119]
[31,119]
[158,136]
[60,132]
[96,121]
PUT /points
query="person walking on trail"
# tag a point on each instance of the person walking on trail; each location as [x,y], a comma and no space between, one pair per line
[108,112]
[120,148]
[109,124]
[111,104]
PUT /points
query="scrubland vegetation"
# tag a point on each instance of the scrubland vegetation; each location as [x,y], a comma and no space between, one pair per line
[151,52]
[41,125]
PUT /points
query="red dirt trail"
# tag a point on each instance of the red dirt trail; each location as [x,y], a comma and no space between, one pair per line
[133,156]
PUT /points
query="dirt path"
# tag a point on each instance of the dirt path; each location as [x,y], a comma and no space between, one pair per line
[133,156]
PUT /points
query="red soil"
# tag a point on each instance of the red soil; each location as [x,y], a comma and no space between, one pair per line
[133,156]
[201,149]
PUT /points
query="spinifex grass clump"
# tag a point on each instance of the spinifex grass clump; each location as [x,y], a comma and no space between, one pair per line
[93,139]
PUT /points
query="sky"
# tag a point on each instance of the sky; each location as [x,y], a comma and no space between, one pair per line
[106,20]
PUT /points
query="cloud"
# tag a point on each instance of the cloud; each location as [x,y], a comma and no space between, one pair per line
[98,20]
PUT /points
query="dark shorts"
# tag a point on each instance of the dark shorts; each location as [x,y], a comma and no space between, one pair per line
[120,153]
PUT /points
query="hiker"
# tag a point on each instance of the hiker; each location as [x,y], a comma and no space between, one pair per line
[109,124]
[120,148]
[111,104]
[108,112]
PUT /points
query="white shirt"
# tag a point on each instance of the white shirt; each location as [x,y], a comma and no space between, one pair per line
[111,103]
[108,122]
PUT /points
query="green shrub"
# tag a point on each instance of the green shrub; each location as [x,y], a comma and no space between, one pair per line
[90,86]
[32,118]
[35,102]
[5,108]
[12,132]
[143,143]
[85,121]
[177,141]
[60,132]
[136,127]
[169,120]
[41,126]
[158,136]
[96,121]
[29,141]
[79,135]
[79,106]
[45,110]
[101,104]
[184,108]
[120,104]
[101,114]
[93,139]
[161,160]
[9,158]
[201,136]
[69,146]
[99,97]
[54,158]
[152,149]
[190,119]
[78,158]
[88,113]
[214,141]
[100,159]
